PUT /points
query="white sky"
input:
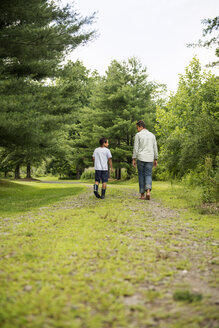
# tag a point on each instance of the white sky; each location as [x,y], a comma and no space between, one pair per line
[155,31]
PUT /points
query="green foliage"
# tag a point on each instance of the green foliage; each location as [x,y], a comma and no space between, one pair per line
[212,25]
[29,124]
[35,36]
[73,91]
[89,173]
[205,176]
[61,119]
[210,183]
[187,296]
[124,174]
[188,125]
[118,100]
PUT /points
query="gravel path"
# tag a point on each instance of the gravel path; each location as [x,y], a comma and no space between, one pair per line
[173,237]
[170,250]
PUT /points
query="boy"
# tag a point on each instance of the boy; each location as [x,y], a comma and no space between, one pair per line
[101,157]
[146,153]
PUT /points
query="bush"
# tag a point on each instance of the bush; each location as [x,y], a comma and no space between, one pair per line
[88,173]
[206,176]
[160,173]
[194,177]
[210,182]
[123,174]
[186,296]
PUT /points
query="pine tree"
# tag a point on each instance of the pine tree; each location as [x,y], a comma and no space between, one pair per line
[35,35]
[118,100]
[74,87]
[125,96]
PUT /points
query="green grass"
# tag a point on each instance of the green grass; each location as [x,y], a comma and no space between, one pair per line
[188,201]
[178,195]
[49,178]
[18,197]
[186,296]
[82,262]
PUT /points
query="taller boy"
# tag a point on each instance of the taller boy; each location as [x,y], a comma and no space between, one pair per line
[101,157]
[146,153]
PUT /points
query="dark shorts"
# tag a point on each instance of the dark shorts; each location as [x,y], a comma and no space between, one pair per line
[101,175]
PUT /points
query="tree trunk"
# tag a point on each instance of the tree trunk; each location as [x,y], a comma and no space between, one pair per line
[78,174]
[118,174]
[130,169]
[17,172]
[28,171]
[5,174]
[118,170]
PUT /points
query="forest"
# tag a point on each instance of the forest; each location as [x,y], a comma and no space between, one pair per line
[53,112]
[67,258]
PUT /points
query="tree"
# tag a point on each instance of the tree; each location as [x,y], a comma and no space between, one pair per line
[126,97]
[118,100]
[30,122]
[212,26]
[35,35]
[74,87]
[188,125]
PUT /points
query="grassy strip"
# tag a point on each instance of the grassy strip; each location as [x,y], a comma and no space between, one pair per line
[188,201]
[109,264]
[19,197]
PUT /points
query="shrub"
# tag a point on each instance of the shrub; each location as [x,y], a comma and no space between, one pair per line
[210,182]
[160,173]
[88,173]
[123,174]
[206,176]
[187,296]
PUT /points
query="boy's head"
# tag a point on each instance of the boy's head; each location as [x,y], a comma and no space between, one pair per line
[104,142]
[140,125]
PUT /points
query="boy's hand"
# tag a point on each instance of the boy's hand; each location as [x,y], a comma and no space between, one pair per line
[134,163]
[111,170]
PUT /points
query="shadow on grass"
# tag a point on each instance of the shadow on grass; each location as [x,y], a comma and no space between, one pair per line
[16,197]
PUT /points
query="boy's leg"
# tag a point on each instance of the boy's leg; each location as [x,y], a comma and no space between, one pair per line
[103,192]
[148,179]
[141,178]
[104,182]
[97,181]
[96,189]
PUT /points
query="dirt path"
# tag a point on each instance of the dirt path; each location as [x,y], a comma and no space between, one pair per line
[115,263]
[173,239]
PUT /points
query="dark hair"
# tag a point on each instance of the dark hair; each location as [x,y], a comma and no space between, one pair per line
[103,141]
[141,123]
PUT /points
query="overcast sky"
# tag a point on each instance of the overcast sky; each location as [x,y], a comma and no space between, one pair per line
[155,31]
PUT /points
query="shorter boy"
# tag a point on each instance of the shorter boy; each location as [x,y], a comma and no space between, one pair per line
[101,157]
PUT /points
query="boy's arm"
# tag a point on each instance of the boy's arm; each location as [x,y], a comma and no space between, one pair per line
[135,150]
[93,157]
[155,152]
[110,163]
